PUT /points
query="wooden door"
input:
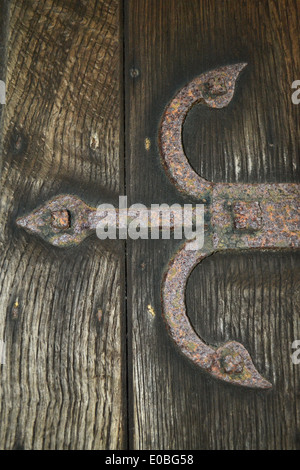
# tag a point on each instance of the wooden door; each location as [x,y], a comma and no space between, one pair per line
[62,384]
[89,361]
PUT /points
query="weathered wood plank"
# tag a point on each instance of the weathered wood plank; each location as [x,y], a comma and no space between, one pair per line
[4,20]
[61,386]
[252,298]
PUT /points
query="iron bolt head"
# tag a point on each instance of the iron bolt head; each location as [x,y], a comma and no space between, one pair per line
[233,364]
[60,219]
[215,87]
[247,215]
[134,73]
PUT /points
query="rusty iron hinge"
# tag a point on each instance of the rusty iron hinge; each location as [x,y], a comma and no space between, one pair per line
[239,217]
[66,220]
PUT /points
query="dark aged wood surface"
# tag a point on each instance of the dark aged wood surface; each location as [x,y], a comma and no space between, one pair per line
[62,384]
[253,297]
[3,38]
[71,379]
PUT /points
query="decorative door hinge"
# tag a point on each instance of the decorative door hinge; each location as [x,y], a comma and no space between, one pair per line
[240,217]
[66,220]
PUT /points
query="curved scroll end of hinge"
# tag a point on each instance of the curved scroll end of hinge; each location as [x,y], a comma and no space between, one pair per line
[63,221]
[214,88]
[230,362]
[217,86]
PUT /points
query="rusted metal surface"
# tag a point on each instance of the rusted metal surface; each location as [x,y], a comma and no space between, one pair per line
[247,215]
[230,362]
[262,216]
[67,220]
[63,221]
[60,219]
[215,89]
[241,216]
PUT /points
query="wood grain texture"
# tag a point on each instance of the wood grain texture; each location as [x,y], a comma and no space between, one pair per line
[61,386]
[4,21]
[251,297]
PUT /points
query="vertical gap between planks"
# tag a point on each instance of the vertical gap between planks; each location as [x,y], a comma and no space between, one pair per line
[127,341]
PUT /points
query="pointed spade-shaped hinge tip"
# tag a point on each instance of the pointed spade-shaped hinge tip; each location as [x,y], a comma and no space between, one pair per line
[63,221]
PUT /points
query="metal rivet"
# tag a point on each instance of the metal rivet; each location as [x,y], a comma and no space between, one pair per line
[233,364]
[134,73]
[60,219]
[247,215]
[215,87]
